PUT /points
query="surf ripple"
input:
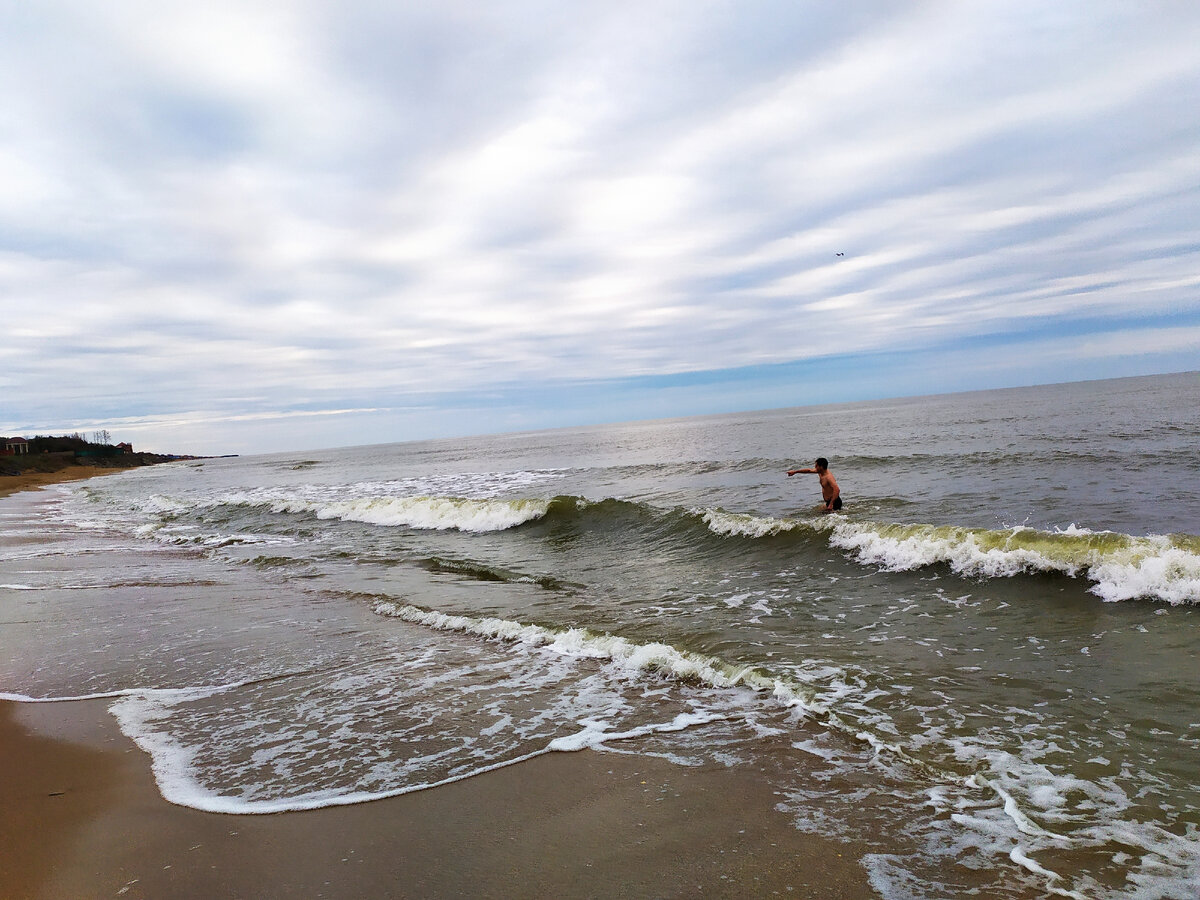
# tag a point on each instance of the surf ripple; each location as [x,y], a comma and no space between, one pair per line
[681,665]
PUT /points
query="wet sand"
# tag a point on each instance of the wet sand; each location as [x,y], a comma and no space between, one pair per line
[10,484]
[81,816]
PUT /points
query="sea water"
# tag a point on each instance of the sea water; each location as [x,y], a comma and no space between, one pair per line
[985,669]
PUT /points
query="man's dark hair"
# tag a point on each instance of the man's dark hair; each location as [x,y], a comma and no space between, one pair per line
[822,462]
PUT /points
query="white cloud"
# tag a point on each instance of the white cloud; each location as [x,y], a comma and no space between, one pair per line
[351,204]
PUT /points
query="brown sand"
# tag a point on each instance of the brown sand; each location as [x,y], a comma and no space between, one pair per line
[81,817]
[10,484]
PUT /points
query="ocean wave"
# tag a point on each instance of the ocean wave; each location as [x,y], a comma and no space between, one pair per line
[742,525]
[434,513]
[665,659]
[1121,566]
[820,693]
[482,572]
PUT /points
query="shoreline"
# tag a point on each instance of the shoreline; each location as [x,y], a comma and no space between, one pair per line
[85,819]
[28,481]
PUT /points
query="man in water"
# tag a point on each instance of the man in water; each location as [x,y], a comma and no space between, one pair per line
[829,485]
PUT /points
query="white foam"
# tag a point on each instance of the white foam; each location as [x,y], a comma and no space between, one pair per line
[879,746]
[814,749]
[138,715]
[638,657]
[151,719]
[433,513]
[1013,810]
[1022,859]
[162,505]
[174,770]
[740,525]
[1170,574]
[596,735]
[1074,814]
[459,484]
[925,547]
[1123,568]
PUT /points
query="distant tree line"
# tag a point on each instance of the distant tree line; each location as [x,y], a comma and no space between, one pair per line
[49,453]
[74,443]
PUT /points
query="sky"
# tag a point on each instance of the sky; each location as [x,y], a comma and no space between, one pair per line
[231,227]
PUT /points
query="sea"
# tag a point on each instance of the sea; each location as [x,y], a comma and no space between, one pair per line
[984,670]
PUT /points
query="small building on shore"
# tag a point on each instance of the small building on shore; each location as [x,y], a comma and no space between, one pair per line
[14,446]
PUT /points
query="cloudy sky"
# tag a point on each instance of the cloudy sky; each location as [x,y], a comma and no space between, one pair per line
[241,227]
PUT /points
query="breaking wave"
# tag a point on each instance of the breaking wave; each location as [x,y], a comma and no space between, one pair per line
[435,513]
[682,665]
[1120,566]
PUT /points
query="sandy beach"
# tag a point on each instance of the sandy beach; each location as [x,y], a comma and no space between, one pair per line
[10,484]
[82,818]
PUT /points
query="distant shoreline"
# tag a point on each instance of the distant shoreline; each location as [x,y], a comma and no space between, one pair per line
[45,460]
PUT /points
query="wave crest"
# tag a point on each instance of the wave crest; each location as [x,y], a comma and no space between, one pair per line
[1121,567]
[741,525]
[433,513]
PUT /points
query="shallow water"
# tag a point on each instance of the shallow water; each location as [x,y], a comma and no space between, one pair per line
[985,666]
